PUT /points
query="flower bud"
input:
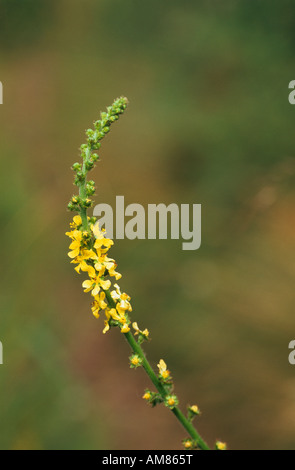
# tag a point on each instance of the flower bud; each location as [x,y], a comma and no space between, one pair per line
[94,157]
[147,395]
[89,165]
[192,412]
[90,189]
[90,133]
[171,401]
[135,361]
[188,444]
[79,177]
[152,398]
[71,206]
[220,445]
[87,202]
[75,200]
[77,166]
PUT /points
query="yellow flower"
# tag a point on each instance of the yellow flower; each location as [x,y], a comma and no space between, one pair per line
[220,445]
[81,264]
[171,401]
[106,322]
[99,265]
[147,396]
[163,371]
[135,327]
[114,315]
[75,246]
[122,300]
[100,238]
[105,284]
[111,313]
[77,221]
[194,409]
[144,333]
[123,306]
[116,294]
[111,266]
[125,328]
[95,283]
[104,263]
[80,259]
[107,327]
[98,304]
[188,444]
[165,374]
[135,361]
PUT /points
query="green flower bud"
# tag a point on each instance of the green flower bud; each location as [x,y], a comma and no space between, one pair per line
[100,135]
[71,206]
[77,166]
[90,133]
[95,157]
[89,165]
[87,202]
[79,178]
[92,220]
[95,145]
[90,189]
[75,200]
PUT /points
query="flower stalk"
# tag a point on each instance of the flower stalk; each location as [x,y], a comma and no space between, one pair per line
[201,444]
[89,251]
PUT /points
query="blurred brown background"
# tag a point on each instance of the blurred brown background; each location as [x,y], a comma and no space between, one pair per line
[209,122]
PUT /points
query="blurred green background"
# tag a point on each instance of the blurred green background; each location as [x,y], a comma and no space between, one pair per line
[209,122]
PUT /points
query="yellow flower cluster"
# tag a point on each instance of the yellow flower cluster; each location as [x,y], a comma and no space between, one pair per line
[142,334]
[89,250]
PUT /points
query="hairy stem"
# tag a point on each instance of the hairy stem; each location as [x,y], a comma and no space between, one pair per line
[137,349]
[83,193]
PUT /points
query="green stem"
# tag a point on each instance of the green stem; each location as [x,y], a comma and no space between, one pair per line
[190,428]
[157,383]
[83,194]
[137,349]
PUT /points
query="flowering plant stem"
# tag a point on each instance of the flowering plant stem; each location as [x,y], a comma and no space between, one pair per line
[137,349]
[176,411]
[89,250]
